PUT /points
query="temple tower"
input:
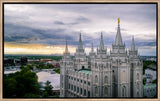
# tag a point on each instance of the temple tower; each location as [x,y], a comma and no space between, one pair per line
[120,67]
[65,64]
[80,59]
[136,72]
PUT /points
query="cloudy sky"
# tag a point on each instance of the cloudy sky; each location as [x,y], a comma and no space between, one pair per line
[43,28]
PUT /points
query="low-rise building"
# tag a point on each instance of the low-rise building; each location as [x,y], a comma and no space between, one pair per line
[24,60]
[150,75]
[8,61]
[33,61]
[45,60]
[150,90]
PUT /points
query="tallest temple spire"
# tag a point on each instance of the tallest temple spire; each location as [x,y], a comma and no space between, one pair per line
[66,50]
[80,42]
[101,42]
[118,40]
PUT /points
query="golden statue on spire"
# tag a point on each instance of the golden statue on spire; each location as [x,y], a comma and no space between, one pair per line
[118,20]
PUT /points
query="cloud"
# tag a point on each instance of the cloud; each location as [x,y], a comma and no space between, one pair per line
[59,23]
[82,19]
[55,23]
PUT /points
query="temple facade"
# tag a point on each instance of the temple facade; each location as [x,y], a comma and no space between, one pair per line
[118,74]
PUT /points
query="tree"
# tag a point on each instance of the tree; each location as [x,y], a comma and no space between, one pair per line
[144,81]
[21,83]
[146,65]
[154,81]
[30,66]
[30,95]
[45,94]
[21,67]
[50,66]
[47,89]
[57,70]
[10,85]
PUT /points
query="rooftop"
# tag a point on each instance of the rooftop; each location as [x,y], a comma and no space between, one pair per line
[86,71]
[47,76]
[151,85]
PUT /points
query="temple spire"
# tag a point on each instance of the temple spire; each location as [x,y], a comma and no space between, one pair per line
[118,40]
[66,50]
[133,45]
[92,50]
[80,42]
[101,42]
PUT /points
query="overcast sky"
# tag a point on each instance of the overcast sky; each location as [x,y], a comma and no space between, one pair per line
[43,28]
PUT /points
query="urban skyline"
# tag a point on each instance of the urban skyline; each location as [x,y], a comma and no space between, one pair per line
[44,28]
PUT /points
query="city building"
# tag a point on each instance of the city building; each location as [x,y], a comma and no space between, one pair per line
[8,61]
[45,60]
[33,61]
[24,60]
[17,62]
[54,63]
[150,75]
[150,90]
[118,74]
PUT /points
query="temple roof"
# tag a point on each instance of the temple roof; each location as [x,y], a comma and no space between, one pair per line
[85,71]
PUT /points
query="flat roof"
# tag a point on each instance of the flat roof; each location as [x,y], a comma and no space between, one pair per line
[151,85]
[85,71]
[47,76]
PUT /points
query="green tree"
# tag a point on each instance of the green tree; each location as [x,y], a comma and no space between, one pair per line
[45,94]
[21,83]
[144,81]
[10,86]
[47,89]
[21,66]
[30,95]
[50,66]
[147,63]
[57,70]
[30,66]
[154,81]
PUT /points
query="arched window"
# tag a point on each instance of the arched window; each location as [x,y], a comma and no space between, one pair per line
[96,79]
[105,91]
[137,76]
[123,91]
[96,91]
[105,79]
